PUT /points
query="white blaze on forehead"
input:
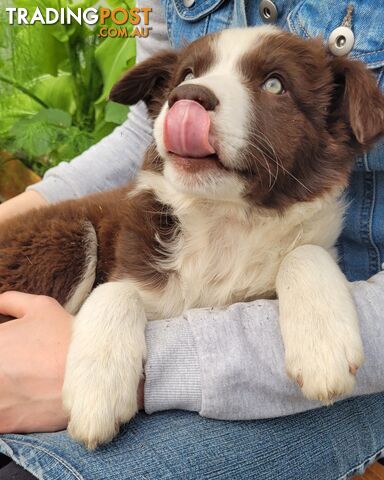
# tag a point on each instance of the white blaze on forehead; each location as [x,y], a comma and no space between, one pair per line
[231,45]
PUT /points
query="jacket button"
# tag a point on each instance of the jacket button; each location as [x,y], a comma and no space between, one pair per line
[188,3]
[268,11]
[341,41]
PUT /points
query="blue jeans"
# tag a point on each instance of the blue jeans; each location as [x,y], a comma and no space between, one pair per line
[327,444]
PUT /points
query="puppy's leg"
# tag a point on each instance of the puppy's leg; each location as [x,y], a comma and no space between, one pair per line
[105,363]
[319,324]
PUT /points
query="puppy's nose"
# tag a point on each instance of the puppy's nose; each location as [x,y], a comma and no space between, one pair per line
[198,93]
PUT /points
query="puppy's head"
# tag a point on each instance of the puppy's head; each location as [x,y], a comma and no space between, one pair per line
[256,114]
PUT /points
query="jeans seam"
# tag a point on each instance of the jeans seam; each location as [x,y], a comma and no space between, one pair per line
[368,461]
[66,465]
[372,52]
[366,221]
[373,242]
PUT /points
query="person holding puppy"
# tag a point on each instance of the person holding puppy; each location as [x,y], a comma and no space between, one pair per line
[182,371]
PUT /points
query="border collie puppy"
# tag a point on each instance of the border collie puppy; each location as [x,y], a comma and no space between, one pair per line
[239,198]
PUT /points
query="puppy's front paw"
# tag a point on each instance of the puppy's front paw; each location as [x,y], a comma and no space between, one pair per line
[98,400]
[319,324]
[324,363]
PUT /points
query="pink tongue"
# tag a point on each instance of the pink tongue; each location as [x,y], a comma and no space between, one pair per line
[186,130]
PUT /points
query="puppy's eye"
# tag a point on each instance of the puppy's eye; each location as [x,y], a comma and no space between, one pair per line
[188,76]
[273,85]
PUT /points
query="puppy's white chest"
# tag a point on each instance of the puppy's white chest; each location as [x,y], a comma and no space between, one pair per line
[228,259]
[230,263]
[220,258]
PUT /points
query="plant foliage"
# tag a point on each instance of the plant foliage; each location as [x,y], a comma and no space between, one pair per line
[54,84]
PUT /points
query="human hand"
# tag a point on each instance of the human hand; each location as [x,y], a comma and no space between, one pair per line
[33,351]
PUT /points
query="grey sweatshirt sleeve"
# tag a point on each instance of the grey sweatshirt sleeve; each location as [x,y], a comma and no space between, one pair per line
[229,364]
[115,159]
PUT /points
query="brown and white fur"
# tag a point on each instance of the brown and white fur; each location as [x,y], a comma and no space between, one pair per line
[258,219]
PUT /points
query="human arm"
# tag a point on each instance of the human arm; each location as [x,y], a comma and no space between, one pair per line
[21,204]
[225,364]
[229,364]
[108,164]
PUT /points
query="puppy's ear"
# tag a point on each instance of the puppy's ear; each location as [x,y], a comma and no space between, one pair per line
[360,100]
[146,81]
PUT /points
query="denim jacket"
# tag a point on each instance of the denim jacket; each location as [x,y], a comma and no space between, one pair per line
[361,245]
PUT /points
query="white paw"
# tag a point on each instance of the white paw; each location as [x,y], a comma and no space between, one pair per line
[319,324]
[324,364]
[105,363]
[98,400]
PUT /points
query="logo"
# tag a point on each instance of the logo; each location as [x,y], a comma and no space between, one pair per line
[128,23]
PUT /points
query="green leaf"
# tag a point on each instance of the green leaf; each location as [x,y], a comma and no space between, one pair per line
[75,143]
[114,56]
[35,42]
[116,113]
[102,130]
[35,138]
[53,116]
[57,92]
[13,106]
